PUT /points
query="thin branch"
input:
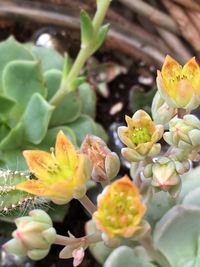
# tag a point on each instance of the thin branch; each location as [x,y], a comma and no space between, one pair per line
[120,41]
[154,15]
[186,27]
[195,18]
[175,44]
[191,4]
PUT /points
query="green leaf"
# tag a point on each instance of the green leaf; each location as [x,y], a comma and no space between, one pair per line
[6,104]
[82,126]
[13,160]
[190,182]
[50,138]
[101,35]
[36,119]
[86,28]
[68,110]
[88,98]
[101,132]
[124,256]
[21,79]
[177,235]
[67,66]
[53,80]
[14,139]
[4,130]
[49,58]
[77,82]
[11,50]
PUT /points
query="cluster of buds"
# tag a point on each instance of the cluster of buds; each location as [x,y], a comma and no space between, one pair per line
[184,133]
[165,173]
[34,236]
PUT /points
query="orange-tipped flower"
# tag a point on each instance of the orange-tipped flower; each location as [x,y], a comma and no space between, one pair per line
[60,176]
[180,85]
[120,209]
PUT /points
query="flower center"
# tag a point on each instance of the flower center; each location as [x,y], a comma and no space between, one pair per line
[140,136]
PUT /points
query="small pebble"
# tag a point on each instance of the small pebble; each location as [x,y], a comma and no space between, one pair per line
[116,108]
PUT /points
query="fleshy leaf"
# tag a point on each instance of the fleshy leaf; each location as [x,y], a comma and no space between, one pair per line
[88,98]
[101,35]
[21,79]
[124,256]
[181,223]
[68,110]
[82,126]
[86,28]
[53,79]
[49,58]
[36,119]
[11,50]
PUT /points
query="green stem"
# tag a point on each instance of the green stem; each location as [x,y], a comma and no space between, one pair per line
[83,55]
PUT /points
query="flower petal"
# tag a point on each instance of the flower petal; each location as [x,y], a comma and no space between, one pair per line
[41,164]
[65,151]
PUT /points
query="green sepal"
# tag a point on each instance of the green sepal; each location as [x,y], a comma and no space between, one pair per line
[86,28]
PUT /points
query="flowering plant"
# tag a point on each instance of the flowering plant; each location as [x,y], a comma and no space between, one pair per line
[148,219]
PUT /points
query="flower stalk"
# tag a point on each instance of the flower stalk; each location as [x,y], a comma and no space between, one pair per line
[84,53]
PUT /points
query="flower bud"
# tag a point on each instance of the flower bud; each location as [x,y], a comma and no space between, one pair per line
[33,237]
[165,174]
[105,163]
[162,113]
[140,137]
[184,133]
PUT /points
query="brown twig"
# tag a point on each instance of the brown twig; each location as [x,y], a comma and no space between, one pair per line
[195,18]
[175,44]
[115,39]
[191,4]
[186,27]
[125,43]
[156,16]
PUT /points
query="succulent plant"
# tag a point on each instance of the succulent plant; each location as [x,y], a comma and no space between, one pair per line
[29,77]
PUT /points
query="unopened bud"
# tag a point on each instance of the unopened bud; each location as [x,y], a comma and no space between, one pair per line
[33,237]
[105,163]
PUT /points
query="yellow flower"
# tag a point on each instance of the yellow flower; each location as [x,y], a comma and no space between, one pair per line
[140,137]
[120,209]
[60,176]
[180,86]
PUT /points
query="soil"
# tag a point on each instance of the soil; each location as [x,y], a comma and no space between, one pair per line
[119,92]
